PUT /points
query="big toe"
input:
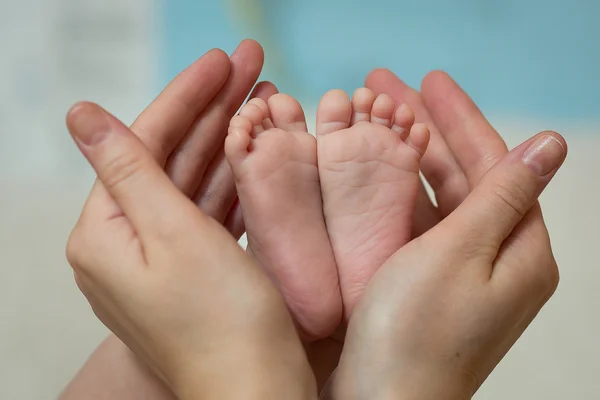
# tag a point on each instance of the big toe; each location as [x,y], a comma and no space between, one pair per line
[334,112]
[287,113]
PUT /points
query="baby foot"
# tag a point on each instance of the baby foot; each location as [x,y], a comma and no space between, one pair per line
[369,154]
[274,161]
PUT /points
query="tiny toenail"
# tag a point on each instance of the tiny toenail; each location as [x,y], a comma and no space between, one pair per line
[398,129]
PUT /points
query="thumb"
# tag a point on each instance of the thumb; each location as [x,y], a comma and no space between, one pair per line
[125,167]
[507,192]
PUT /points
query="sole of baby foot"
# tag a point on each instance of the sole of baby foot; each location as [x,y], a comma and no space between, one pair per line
[369,154]
[274,161]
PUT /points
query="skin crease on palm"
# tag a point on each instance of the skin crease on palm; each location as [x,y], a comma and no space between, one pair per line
[452,171]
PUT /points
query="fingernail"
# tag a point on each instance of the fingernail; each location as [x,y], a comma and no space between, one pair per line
[544,155]
[88,124]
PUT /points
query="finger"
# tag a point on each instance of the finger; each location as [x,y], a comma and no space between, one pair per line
[234,223]
[164,123]
[126,168]
[473,141]
[216,194]
[188,163]
[438,164]
[263,90]
[509,191]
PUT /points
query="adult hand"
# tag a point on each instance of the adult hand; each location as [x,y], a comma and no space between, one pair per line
[463,147]
[173,284]
[184,129]
[444,310]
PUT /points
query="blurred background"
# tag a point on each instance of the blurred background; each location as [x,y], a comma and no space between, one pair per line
[530,64]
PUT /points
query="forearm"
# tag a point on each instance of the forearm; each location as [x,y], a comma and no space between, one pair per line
[252,389]
[114,372]
[389,385]
[249,372]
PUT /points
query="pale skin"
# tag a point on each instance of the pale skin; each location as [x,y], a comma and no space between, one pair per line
[183,129]
[369,152]
[428,215]
[365,108]
[173,284]
[309,221]
[491,274]
[387,351]
[435,324]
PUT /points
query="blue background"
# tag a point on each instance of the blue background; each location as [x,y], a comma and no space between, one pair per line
[516,57]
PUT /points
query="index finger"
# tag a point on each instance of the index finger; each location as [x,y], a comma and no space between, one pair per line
[438,164]
[216,194]
[166,120]
[474,142]
[188,163]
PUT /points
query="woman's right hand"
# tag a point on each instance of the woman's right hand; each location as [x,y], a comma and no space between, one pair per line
[462,149]
[446,308]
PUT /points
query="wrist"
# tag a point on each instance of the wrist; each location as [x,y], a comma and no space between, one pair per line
[391,385]
[252,373]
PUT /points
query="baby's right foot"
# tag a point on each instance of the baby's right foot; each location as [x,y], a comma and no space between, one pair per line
[369,157]
[274,161]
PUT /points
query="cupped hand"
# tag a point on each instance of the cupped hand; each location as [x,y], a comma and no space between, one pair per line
[445,309]
[183,129]
[173,284]
[462,149]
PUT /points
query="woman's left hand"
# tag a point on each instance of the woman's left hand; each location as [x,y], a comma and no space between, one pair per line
[173,284]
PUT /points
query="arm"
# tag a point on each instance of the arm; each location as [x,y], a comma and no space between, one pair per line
[114,372]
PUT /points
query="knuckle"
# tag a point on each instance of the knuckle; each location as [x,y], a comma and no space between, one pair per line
[546,271]
[547,275]
[160,149]
[478,249]
[80,250]
[543,274]
[80,282]
[122,168]
[511,197]
[75,247]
